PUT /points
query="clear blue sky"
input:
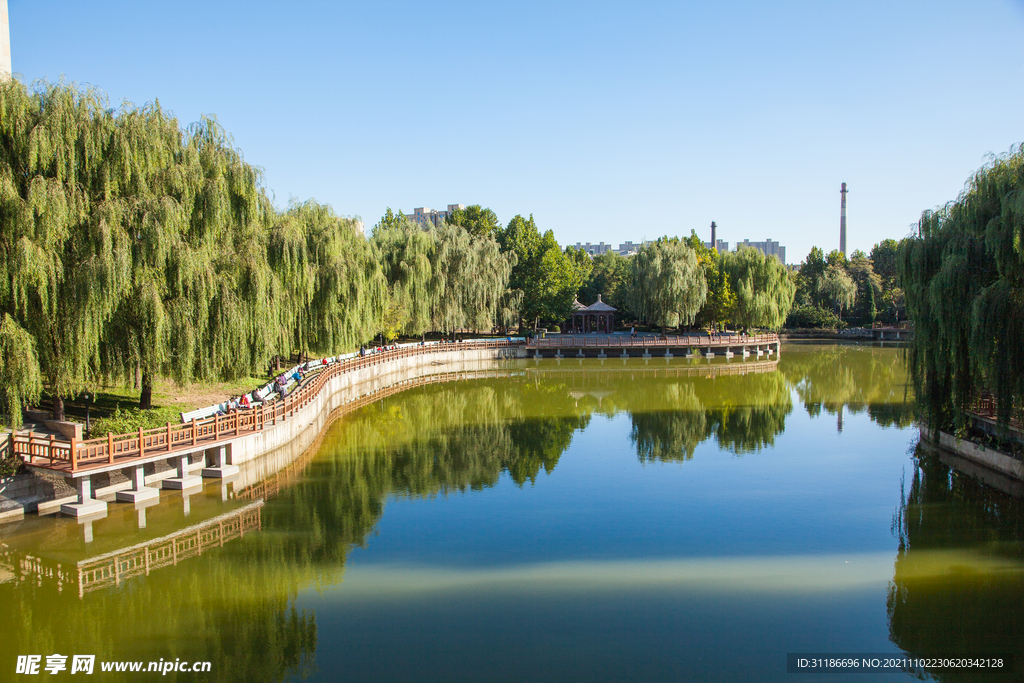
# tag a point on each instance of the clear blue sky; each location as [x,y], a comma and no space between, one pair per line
[606,120]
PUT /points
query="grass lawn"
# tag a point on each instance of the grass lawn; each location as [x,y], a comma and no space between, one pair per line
[116,408]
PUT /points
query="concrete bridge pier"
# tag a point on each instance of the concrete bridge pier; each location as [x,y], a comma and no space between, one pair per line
[558,354]
[602,354]
[746,352]
[624,354]
[86,505]
[579,354]
[690,353]
[139,492]
[668,353]
[710,353]
[728,352]
[184,480]
[220,468]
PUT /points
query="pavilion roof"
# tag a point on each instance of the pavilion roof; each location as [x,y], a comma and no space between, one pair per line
[600,306]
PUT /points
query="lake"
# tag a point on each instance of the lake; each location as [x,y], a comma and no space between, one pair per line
[575,520]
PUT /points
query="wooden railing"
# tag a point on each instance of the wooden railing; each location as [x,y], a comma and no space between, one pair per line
[122,449]
[569,341]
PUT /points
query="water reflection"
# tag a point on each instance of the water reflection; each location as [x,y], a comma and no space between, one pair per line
[958,581]
[832,377]
[237,605]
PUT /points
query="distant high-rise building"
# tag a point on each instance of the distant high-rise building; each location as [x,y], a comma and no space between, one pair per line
[769,247]
[5,41]
[625,249]
[428,218]
[721,245]
[594,249]
[842,220]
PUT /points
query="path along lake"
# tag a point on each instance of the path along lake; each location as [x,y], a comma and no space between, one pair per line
[574,520]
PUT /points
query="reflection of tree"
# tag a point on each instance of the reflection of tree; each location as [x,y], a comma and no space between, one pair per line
[958,584]
[673,433]
[744,413]
[835,375]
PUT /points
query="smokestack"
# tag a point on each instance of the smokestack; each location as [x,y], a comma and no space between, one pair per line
[842,221]
[5,42]
[714,240]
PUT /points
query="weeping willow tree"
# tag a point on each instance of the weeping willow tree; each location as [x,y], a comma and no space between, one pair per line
[487,304]
[295,271]
[837,289]
[963,277]
[137,339]
[667,284]
[20,381]
[406,255]
[351,292]
[471,276]
[202,302]
[762,286]
[65,247]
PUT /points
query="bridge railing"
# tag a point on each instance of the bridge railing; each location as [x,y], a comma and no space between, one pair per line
[619,341]
[49,452]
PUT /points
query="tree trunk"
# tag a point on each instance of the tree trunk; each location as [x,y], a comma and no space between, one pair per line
[146,397]
[138,374]
[58,408]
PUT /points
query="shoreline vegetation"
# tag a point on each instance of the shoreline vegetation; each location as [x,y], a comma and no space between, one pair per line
[963,272]
[138,252]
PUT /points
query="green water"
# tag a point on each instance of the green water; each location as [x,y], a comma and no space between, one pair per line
[571,521]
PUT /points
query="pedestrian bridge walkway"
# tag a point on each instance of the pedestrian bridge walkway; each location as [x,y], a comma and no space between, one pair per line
[647,346]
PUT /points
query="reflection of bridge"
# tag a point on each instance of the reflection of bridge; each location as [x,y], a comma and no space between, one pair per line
[110,569]
[709,371]
[624,346]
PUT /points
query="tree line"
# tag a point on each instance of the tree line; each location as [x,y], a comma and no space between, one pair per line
[132,248]
[834,291]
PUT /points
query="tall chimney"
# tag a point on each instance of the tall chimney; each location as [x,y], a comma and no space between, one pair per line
[5,42]
[842,221]
[714,241]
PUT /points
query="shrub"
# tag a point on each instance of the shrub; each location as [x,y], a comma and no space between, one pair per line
[813,317]
[10,464]
[131,420]
[555,329]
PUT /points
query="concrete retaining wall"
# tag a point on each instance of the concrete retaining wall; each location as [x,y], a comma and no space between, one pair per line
[996,460]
